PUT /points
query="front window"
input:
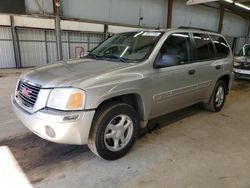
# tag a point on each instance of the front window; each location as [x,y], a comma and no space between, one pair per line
[176,50]
[127,47]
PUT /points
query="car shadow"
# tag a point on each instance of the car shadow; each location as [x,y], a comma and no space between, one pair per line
[33,153]
[38,157]
[171,118]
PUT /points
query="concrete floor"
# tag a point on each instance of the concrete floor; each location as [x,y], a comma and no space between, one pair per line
[193,148]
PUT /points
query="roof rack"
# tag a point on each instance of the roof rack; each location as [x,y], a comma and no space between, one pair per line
[196,28]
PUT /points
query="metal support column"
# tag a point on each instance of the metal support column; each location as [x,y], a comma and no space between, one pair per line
[69,45]
[46,46]
[106,33]
[88,41]
[169,13]
[15,43]
[220,27]
[248,30]
[58,38]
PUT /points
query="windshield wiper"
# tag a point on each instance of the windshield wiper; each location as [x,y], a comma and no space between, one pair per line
[114,57]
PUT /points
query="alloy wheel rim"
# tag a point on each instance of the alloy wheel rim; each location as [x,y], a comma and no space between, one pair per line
[118,133]
[219,96]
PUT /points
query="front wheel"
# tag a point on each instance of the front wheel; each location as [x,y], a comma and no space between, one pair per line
[218,97]
[113,131]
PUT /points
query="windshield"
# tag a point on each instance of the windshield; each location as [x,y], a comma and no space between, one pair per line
[245,51]
[132,46]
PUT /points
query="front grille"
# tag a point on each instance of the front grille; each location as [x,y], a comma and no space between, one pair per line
[27,93]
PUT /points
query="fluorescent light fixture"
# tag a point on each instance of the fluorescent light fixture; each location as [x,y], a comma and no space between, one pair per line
[229,1]
[195,2]
[242,6]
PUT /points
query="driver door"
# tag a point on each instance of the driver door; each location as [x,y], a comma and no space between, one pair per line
[174,80]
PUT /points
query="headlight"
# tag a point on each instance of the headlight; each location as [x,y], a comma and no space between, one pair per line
[66,99]
[236,64]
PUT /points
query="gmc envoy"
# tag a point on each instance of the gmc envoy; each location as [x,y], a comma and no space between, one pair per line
[105,98]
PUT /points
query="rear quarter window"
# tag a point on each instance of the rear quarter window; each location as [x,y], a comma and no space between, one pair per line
[222,49]
[204,47]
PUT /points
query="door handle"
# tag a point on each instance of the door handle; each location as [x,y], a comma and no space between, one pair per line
[191,72]
[217,67]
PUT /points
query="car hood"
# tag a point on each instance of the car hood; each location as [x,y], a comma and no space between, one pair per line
[70,72]
[242,59]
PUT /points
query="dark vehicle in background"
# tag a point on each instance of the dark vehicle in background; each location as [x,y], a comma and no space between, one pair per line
[242,63]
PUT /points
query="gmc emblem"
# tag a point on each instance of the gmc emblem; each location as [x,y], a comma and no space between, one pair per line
[26,92]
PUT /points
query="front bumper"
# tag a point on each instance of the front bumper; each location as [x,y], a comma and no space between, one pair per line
[57,126]
[242,73]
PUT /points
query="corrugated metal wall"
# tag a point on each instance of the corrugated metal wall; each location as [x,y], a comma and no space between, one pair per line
[118,11]
[7,57]
[87,41]
[234,25]
[50,46]
[38,46]
[33,8]
[152,11]
[32,47]
[65,45]
[194,16]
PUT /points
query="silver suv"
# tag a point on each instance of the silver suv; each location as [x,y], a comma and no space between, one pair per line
[107,97]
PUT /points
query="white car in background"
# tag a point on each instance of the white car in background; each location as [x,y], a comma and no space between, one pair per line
[242,63]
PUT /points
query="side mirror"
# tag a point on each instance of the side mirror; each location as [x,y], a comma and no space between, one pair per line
[167,61]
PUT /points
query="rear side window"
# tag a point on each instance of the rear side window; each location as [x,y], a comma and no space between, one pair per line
[221,46]
[204,46]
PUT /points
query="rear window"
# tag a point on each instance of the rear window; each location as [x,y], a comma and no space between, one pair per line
[204,47]
[221,46]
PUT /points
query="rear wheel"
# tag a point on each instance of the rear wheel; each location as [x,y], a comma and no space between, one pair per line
[113,131]
[218,97]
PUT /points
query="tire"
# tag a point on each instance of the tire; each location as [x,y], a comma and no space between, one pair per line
[215,104]
[113,121]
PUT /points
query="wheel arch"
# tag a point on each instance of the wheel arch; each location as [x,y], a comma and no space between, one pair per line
[227,79]
[133,99]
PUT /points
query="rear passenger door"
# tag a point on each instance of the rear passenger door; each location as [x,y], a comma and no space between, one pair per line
[208,67]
